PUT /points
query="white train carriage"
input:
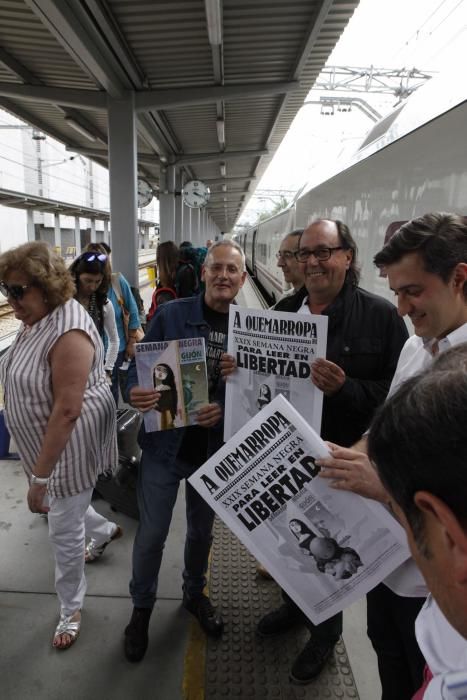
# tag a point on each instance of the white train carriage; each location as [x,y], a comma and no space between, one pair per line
[262,247]
[411,162]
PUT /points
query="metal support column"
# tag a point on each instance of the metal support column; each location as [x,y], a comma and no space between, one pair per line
[179,210]
[57,234]
[30,225]
[186,230]
[167,205]
[195,226]
[77,235]
[145,234]
[106,231]
[122,181]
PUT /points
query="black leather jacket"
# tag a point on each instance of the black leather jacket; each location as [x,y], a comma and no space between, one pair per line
[365,337]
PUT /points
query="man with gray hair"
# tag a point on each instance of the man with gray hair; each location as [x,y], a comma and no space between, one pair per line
[172,455]
[365,336]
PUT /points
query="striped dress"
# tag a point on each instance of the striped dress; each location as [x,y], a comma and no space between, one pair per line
[26,376]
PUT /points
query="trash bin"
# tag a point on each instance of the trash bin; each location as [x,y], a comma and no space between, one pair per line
[4,437]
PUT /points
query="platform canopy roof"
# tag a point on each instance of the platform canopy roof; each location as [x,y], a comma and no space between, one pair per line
[216,83]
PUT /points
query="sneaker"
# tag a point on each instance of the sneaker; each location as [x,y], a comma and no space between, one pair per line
[136,634]
[311,661]
[202,608]
[94,551]
[278,621]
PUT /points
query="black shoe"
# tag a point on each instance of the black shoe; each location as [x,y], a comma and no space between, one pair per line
[202,608]
[311,661]
[278,621]
[136,634]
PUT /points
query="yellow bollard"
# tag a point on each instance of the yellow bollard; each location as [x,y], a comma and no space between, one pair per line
[152,275]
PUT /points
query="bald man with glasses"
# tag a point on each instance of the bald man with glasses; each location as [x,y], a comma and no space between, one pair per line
[365,337]
[288,263]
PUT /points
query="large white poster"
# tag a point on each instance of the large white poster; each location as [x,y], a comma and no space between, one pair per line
[325,547]
[273,351]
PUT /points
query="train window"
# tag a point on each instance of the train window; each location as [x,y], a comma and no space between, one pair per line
[262,252]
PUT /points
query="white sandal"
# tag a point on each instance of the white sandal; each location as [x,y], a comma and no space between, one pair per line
[94,551]
[66,625]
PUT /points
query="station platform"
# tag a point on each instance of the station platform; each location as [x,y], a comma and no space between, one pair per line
[181,663]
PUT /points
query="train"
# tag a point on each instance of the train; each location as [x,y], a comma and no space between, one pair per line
[411,162]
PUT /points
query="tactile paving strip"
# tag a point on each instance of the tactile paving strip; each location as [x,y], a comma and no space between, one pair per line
[243,665]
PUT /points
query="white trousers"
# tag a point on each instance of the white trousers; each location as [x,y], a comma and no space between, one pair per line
[71,520]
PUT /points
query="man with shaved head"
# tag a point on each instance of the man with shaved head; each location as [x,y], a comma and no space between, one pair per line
[365,337]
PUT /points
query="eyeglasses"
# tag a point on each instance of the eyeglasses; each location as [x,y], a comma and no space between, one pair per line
[286,254]
[90,257]
[321,254]
[217,268]
[15,291]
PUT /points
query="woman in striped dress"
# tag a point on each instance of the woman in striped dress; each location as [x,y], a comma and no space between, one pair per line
[61,414]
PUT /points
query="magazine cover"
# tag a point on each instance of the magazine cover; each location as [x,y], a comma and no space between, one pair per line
[326,548]
[176,368]
[273,351]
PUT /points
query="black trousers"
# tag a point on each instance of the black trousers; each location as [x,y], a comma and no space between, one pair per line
[391,629]
[327,632]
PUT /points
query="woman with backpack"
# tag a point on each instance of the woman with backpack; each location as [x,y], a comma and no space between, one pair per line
[91,275]
[126,315]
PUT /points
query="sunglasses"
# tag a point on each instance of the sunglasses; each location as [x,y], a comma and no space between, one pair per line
[15,291]
[90,257]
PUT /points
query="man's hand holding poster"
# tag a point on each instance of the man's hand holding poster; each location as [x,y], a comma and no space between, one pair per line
[325,547]
[273,351]
[177,370]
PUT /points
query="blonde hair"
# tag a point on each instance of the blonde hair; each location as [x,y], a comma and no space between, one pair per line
[43,267]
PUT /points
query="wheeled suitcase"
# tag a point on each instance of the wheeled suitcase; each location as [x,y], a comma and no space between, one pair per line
[120,489]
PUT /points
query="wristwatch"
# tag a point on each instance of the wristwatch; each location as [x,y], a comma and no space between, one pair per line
[39,480]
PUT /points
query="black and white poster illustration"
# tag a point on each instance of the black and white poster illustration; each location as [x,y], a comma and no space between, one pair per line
[273,351]
[176,369]
[327,548]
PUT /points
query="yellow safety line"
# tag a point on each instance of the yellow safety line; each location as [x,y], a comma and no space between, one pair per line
[194,671]
[194,668]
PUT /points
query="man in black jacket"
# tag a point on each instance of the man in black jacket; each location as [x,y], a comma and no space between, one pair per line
[365,337]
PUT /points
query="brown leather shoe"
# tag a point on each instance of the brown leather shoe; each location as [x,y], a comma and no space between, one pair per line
[263,572]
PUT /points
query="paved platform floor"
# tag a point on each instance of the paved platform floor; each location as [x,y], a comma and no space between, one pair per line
[95,668]
[178,665]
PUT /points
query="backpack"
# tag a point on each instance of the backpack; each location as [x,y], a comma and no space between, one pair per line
[190,259]
[160,296]
[117,287]
[186,278]
[140,304]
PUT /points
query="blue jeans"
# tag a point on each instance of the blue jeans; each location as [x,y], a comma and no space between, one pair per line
[159,477]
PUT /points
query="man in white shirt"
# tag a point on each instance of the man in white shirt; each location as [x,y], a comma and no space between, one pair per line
[419,443]
[426,265]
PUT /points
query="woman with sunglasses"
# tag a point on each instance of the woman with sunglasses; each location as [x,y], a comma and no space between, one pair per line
[61,414]
[126,314]
[91,274]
